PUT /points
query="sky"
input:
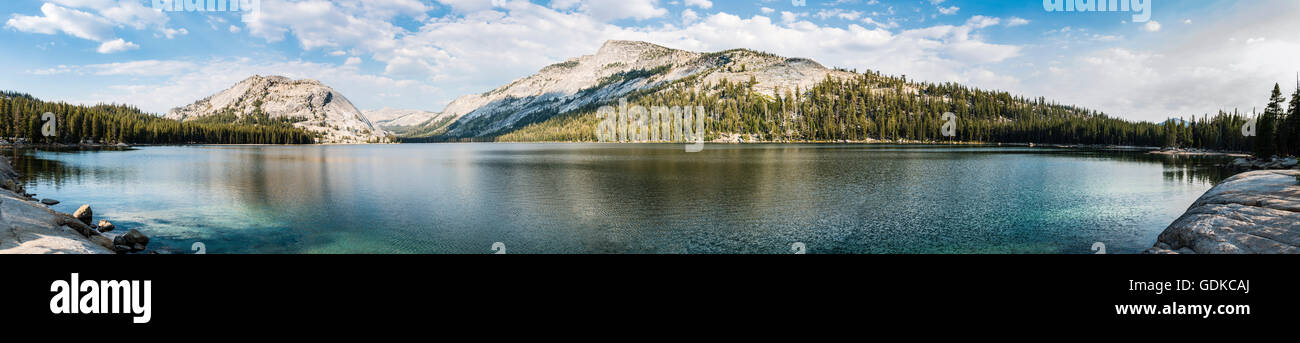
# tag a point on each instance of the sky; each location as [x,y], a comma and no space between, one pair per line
[1189,57]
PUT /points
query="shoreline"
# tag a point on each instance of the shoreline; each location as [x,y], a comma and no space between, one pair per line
[1148,149]
[1198,152]
[29,226]
[1255,212]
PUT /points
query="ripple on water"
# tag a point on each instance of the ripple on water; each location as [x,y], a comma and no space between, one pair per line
[587,198]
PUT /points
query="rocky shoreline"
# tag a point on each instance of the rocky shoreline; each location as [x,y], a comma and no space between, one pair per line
[1256,212]
[29,226]
[1251,163]
[1198,152]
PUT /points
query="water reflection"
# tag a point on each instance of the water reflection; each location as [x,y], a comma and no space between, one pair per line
[593,198]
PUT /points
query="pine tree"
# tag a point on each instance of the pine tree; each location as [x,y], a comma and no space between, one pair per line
[1292,123]
[1266,126]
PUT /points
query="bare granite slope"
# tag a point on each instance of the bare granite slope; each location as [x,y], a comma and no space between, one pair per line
[1251,213]
[307,104]
[399,120]
[27,227]
[620,68]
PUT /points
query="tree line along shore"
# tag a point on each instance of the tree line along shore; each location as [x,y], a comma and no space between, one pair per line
[870,108]
[875,108]
[21,119]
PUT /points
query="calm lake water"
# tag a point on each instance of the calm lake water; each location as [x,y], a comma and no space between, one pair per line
[592,198]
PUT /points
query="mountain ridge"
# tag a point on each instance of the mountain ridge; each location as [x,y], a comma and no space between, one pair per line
[618,68]
[400,121]
[307,104]
[757,96]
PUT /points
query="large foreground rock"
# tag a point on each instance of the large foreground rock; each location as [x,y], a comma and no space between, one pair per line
[1251,213]
[27,227]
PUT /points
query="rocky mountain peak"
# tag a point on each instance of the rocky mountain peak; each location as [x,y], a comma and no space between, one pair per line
[619,68]
[306,103]
[624,47]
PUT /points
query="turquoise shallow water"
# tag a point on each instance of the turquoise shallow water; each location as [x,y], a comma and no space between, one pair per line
[593,198]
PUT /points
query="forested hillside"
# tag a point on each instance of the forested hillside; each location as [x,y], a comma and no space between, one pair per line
[20,119]
[871,106]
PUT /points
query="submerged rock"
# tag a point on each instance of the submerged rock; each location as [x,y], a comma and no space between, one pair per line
[1242,163]
[49,202]
[84,214]
[1251,213]
[133,240]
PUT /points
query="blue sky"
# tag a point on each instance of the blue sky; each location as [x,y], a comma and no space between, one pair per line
[1191,57]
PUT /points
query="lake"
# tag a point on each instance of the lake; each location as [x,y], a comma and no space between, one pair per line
[626,198]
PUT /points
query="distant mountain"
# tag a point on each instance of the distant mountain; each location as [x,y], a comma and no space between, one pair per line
[756,96]
[400,121]
[619,68]
[112,124]
[305,104]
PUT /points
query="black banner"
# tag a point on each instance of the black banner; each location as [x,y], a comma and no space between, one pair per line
[293,292]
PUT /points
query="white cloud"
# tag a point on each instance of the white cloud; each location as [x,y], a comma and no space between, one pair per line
[565,4]
[472,5]
[790,17]
[57,19]
[621,9]
[60,70]
[1152,26]
[187,83]
[705,4]
[121,12]
[130,13]
[75,18]
[689,16]
[980,21]
[1221,63]
[482,47]
[319,24]
[415,9]
[138,68]
[116,46]
[838,13]
[1195,70]
[172,33]
[889,25]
